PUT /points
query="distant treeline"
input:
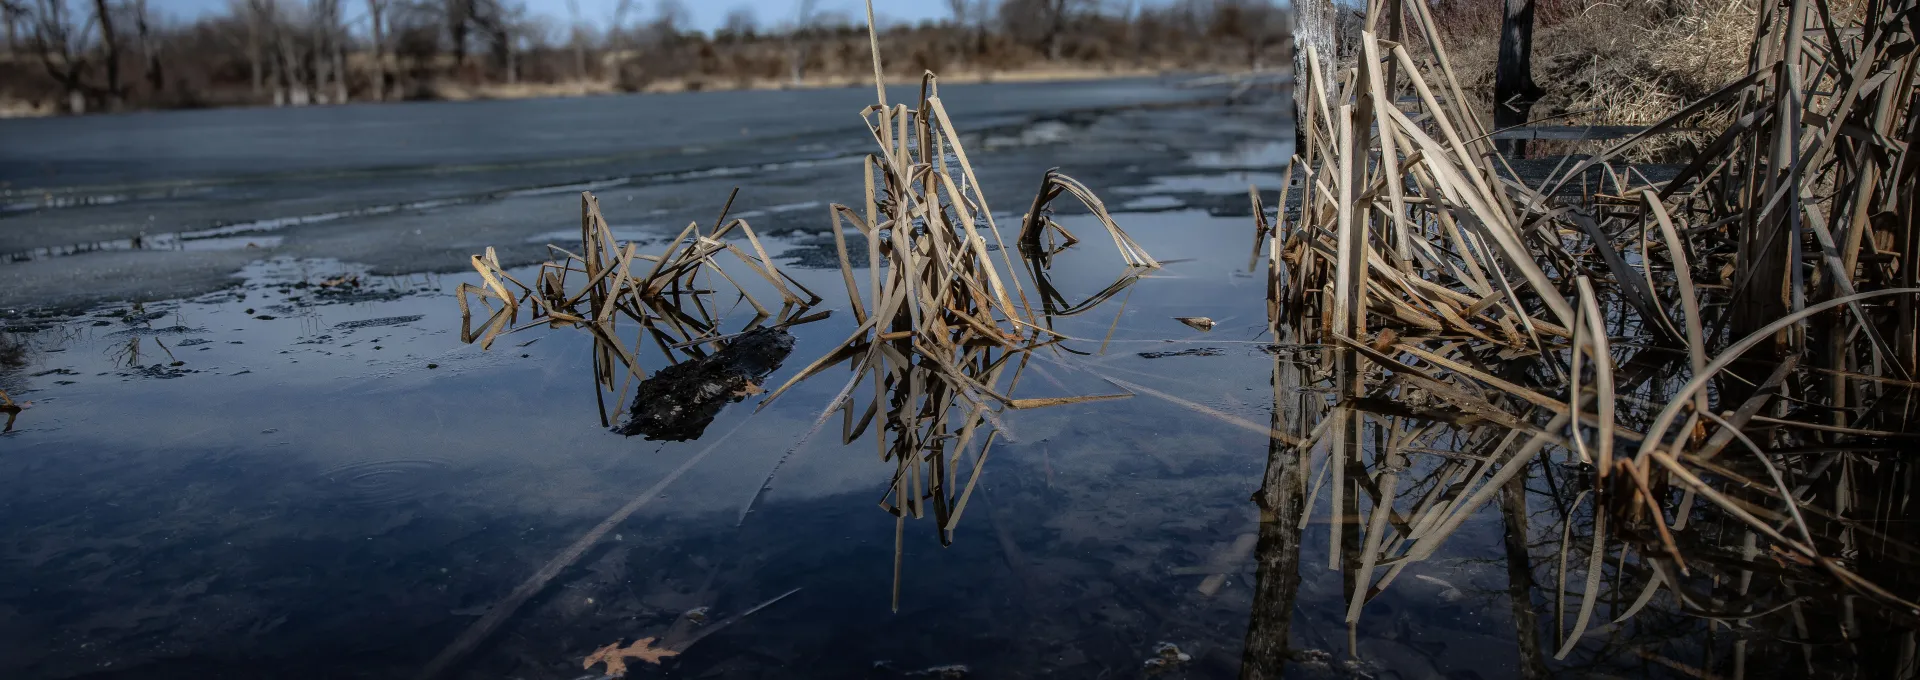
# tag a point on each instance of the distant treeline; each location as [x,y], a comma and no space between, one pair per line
[77,56]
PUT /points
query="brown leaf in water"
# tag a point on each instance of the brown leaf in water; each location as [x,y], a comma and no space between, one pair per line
[1199,323]
[750,389]
[615,657]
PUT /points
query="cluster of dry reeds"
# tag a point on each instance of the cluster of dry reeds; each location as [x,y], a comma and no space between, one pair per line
[941,320]
[1731,348]
[662,293]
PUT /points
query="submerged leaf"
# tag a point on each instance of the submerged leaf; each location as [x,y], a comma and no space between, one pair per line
[615,656]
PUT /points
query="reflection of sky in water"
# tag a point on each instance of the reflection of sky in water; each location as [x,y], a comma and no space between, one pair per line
[1252,154]
[1217,183]
[1152,203]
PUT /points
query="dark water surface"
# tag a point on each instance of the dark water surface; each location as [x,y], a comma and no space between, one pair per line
[270,477]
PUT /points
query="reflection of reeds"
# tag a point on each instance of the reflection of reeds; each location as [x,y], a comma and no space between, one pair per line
[126,355]
[1766,282]
[1284,506]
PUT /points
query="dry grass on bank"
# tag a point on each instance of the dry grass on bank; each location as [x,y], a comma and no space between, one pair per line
[1624,63]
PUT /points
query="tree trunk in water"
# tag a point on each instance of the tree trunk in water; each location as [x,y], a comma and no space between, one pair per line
[1312,35]
[1526,622]
[1513,88]
[1282,499]
[112,44]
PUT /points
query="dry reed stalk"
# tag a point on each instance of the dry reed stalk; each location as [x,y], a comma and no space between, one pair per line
[1039,221]
[1457,295]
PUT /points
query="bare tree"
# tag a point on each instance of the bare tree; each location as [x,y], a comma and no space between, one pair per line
[376,23]
[12,12]
[149,46]
[289,67]
[509,28]
[272,57]
[250,13]
[459,20]
[1313,27]
[1044,22]
[669,15]
[496,22]
[982,17]
[617,31]
[103,14]
[1513,89]
[806,14]
[578,33]
[327,51]
[337,41]
[101,54]
[741,24]
[963,11]
[61,43]
[1254,23]
[1057,14]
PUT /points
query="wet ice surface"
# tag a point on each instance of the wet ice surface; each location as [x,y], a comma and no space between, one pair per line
[308,475]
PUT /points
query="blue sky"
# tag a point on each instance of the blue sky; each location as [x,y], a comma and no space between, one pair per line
[705,14]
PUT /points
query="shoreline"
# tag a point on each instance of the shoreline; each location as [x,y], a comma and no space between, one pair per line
[452,92]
